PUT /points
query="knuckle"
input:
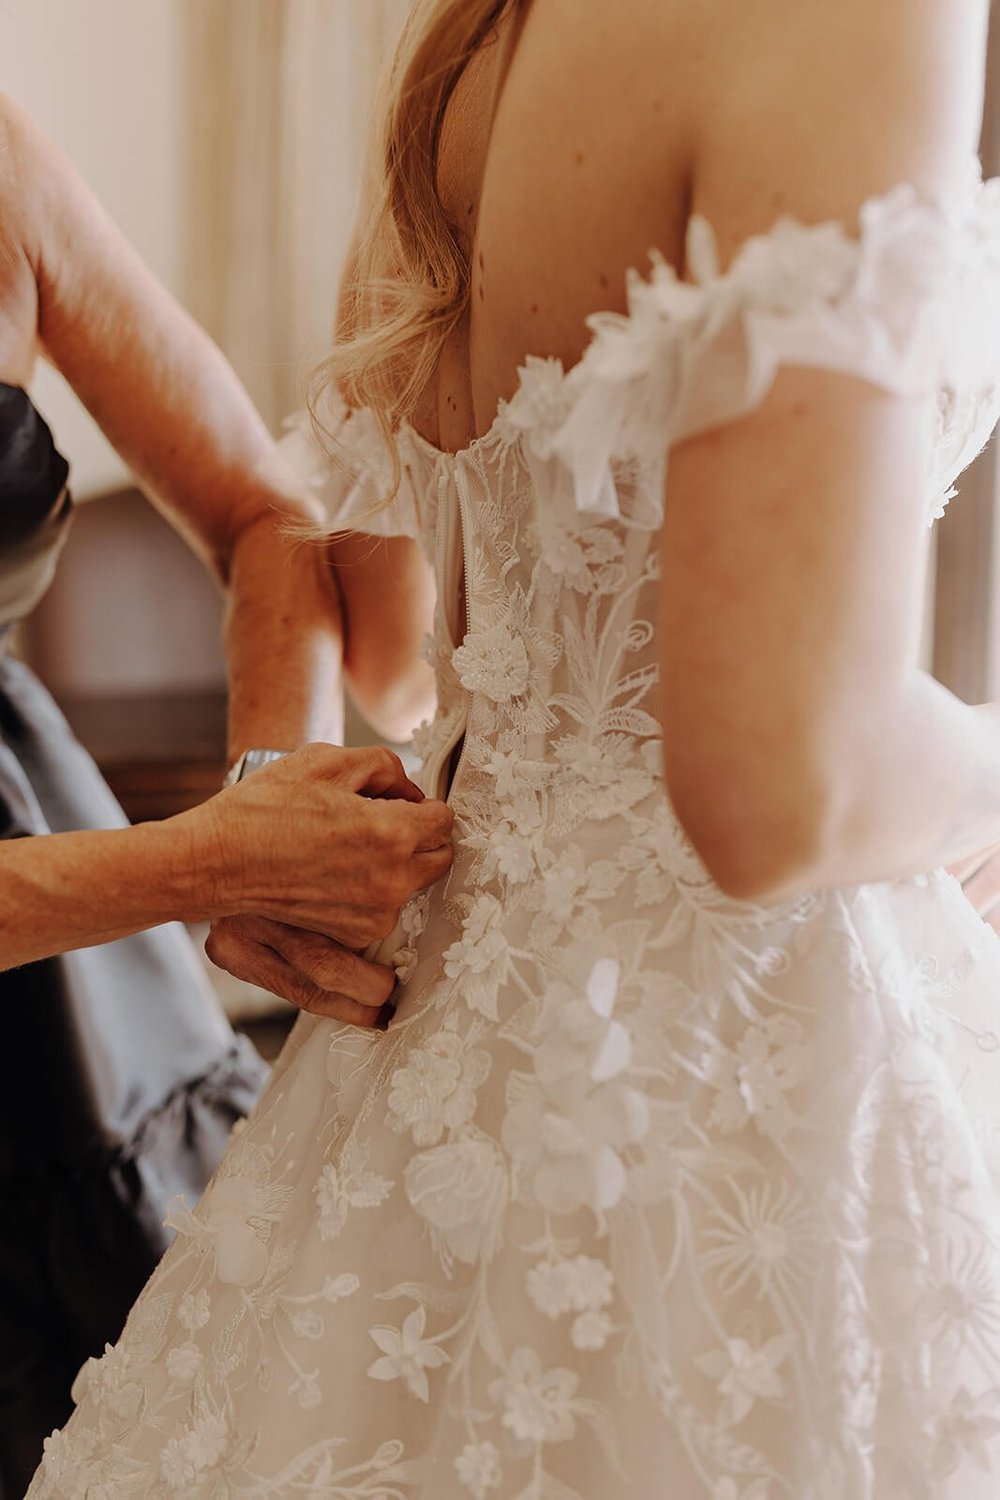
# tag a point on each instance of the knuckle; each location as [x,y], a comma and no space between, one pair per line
[405,828]
[300,993]
[383,921]
[394,835]
[299,947]
[388,759]
[329,971]
[218,945]
[351,929]
[386,979]
[310,759]
[400,888]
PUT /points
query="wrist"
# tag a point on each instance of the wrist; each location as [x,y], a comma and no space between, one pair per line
[203,862]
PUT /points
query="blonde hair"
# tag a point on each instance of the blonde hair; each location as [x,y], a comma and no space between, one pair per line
[407,285]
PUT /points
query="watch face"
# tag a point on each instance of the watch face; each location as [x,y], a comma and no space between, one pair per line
[252,760]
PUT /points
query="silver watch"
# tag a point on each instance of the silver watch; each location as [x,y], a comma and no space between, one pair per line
[251,760]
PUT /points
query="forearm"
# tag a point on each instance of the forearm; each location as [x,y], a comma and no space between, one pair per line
[174,408]
[71,890]
[284,642]
[155,382]
[159,388]
[915,788]
[927,789]
[388,596]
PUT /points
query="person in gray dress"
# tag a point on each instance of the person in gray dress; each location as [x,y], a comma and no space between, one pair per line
[119,1076]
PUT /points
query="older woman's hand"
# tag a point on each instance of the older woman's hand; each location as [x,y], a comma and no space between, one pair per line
[332,842]
[311,971]
[329,840]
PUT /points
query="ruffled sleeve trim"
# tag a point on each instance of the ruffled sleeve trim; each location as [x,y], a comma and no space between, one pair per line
[349,470]
[912,304]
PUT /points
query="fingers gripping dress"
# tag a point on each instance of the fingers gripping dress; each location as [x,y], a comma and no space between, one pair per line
[647,1191]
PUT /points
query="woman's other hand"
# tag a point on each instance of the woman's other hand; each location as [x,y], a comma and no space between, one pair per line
[309,970]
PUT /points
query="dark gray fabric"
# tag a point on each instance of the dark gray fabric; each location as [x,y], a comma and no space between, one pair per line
[119,1077]
[35,505]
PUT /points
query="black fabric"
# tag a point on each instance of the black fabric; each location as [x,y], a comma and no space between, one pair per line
[78,1244]
[33,473]
[119,1078]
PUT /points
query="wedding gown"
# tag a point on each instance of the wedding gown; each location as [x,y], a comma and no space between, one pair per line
[647,1191]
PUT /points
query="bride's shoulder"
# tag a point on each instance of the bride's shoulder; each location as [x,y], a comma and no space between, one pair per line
[811,109]
[705,64]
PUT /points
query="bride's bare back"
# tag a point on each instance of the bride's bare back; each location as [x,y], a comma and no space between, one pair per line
[584,134]
[582,138]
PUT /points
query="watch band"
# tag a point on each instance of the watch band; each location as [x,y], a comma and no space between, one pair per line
[249,761]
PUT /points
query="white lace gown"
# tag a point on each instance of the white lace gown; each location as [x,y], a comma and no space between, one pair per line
[646,1192]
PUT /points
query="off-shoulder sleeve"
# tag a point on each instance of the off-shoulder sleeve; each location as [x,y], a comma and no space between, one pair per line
[347,466]
[911,304]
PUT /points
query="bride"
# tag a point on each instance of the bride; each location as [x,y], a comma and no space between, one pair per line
[676,1172]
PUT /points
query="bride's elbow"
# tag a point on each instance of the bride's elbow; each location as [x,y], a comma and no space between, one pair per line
[394,703]
[761,839]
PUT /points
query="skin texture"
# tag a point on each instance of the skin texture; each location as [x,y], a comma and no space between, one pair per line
[71,288]
[804,747]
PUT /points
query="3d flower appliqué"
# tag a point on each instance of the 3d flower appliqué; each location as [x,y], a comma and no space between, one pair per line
[478,1468]
[746,1373]
[461,1190]
[406,1354]
[493,662]
[346,1186]
[435,1090]
[754,1079]
[537,1403]
[570,1121]
[480,958]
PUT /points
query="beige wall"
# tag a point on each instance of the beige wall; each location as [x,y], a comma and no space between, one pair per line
[279,94]
[224,137]
[102,77]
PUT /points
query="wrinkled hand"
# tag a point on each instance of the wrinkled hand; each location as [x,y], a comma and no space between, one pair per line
[311,971]
[980,877]
[328,840]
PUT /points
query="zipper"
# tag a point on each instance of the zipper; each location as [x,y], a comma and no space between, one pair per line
[452,546]
[453,541]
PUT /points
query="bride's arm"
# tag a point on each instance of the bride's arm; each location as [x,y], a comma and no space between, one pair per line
[803,744]
[387,591]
